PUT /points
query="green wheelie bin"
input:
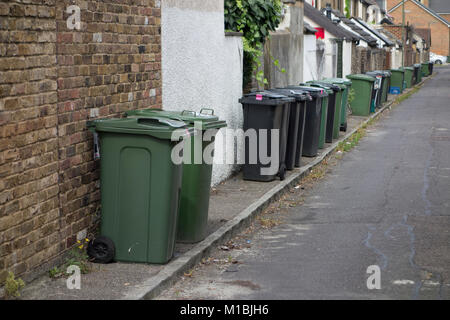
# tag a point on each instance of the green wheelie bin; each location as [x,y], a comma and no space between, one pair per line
[397,81]
[409,76]
[196,186]
[331,109]
[334,120]
[345,95]
[324,115]
[363,85]
[140,188]
[425,69]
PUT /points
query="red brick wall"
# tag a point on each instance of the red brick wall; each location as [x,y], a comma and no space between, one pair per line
[416,16]
[52,80]
[446,16]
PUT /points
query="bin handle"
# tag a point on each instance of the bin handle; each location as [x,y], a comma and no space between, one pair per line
[188,112]
[207,109]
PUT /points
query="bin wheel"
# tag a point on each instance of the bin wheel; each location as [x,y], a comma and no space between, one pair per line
[282,172]
[344,127]
[101,250]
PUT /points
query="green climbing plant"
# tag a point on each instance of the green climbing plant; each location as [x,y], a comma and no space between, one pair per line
[255,19]
[347,9]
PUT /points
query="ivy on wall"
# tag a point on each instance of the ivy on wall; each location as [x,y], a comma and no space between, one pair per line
[255,19]
[347,9]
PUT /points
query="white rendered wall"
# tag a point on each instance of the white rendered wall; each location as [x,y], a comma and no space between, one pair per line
[347,59]
[309,58]
[329,68]
[201,67]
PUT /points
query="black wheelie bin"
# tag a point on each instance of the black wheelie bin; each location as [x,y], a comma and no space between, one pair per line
[266,113]
[296,123]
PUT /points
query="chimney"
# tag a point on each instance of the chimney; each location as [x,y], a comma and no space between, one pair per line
[328,10]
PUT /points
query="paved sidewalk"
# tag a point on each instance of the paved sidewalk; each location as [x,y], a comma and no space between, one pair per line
[232,205]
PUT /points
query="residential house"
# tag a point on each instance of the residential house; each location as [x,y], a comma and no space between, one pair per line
[420,15]
[394,57]
[370,51]
[333,46]
[411,55]
[441,7]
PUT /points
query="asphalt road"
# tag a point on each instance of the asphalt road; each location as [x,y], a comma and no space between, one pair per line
[387,203]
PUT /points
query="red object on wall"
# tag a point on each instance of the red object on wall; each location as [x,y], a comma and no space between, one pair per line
[320,34]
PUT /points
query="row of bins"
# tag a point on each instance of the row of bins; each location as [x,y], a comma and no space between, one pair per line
[149,203]
[373,87]
[305,117]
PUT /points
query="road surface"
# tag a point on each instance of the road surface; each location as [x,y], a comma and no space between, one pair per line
[385,204]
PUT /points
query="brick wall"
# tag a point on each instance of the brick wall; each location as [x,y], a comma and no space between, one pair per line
[446,16]
[52,80]
[419,18]
[367,59]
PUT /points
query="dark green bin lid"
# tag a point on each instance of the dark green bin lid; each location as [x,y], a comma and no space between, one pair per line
[398,70]
[409,68]
[328,90]
[377,73]
[205,117]
[363,77]
[325,85]
[158,127]
[341,86]
[386,73]
[299,95]
[338,81]
[315,92]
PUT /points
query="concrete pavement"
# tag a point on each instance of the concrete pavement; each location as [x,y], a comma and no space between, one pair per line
[387,203]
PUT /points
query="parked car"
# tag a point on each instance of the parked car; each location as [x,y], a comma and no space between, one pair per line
[437,59]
